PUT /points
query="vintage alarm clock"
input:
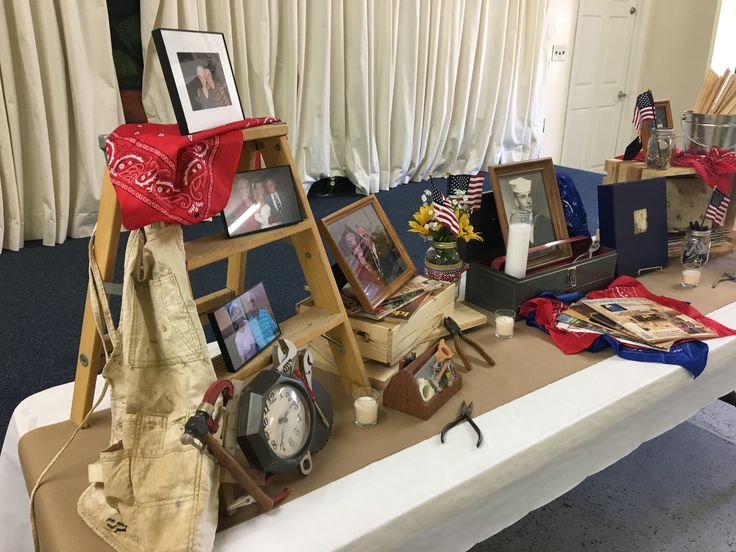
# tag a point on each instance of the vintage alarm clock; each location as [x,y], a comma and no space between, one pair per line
[276,423]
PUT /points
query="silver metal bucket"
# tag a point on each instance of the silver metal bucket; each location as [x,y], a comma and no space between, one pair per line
[702,132]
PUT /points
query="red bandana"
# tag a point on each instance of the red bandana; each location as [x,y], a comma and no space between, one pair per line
[161,176]
[714,167]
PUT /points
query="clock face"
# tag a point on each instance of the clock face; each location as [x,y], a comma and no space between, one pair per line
[285,420]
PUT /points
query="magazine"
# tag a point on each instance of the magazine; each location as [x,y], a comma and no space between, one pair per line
[647,320]
[419,286]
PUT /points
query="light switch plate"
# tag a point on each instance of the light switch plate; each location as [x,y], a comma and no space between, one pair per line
[559,52]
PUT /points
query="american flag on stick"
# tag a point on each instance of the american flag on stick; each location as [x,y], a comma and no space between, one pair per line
[717,207]
[443,211]
[461,184]
[644,109]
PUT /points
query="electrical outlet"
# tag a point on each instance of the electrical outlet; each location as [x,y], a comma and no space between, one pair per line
[559,52]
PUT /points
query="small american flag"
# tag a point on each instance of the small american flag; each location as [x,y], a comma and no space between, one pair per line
[644,109]
[443,212]
[471,185]
[717,207]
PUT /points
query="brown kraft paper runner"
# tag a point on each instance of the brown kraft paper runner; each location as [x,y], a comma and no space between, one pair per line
[524,364]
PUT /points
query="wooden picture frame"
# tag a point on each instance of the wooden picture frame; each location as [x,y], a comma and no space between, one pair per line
[663,115]
[368,250]
[541,188]
[199,77]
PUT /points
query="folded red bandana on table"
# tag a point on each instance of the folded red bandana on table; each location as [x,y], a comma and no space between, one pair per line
[161,176]
[543,311]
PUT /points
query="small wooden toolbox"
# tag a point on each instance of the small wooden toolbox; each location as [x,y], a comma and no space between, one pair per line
[402,392]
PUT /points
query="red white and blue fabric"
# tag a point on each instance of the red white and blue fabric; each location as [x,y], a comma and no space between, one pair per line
[542,312]
[161,176]
[443,211]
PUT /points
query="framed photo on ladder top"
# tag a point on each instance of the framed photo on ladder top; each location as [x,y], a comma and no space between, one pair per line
[199,78]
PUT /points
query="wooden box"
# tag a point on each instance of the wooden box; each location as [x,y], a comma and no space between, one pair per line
[388,341]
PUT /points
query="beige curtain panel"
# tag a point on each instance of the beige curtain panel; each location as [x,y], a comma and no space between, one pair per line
[58,91]
[379,91]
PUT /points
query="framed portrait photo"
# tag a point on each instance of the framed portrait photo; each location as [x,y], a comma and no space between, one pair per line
[199,78]
[532,186]
[663,116]
[368,250]
[262,200]
[244,327]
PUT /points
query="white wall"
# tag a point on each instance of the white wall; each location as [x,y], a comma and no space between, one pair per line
[678,43]
[562,15]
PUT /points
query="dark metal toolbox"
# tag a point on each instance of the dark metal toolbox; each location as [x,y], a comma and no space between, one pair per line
[494,289]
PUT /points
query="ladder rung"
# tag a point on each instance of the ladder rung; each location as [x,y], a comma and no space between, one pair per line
[215,247]
[265,131]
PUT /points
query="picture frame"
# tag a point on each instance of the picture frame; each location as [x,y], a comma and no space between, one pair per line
[368,250]
[241,328]
[278,205]
[199,77]
[536,183]
[663,116]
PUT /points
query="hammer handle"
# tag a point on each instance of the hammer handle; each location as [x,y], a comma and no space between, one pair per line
[241,476]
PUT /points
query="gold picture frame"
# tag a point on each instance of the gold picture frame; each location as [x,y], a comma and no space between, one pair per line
[368,250]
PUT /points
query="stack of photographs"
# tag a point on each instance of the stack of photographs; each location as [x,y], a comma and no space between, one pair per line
[399,307]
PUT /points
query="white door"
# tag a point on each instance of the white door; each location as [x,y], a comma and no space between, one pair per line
[598,88]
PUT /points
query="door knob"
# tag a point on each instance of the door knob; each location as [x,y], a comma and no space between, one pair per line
[621,94]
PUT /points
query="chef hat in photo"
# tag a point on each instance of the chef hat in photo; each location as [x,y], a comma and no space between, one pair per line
[520,185]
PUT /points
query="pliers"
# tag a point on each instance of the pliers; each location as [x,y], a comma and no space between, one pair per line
[457,334]
[465,411]
[724,277]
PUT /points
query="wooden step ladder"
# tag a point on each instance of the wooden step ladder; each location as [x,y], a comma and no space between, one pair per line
[327,317]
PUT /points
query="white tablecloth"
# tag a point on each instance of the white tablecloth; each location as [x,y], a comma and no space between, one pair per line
[448,497]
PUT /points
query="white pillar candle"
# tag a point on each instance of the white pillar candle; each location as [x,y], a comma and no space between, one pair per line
[517,249]
[366,411]
[691,277]
[504,326]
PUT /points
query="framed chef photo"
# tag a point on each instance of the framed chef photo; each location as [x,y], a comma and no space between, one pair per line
[368,250]
[262,200]
[199,78]
[532,186]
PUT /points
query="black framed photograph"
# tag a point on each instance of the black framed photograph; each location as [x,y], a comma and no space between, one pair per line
[368,250]
[199,78]
[532,186]
[244,327]
[262,200]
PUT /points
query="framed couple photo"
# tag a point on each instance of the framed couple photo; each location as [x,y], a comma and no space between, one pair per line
[368,251]
[199,78]
[262,200]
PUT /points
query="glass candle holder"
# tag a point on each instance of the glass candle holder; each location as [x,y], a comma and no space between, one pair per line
[691,274]
[504,322]
[365,402]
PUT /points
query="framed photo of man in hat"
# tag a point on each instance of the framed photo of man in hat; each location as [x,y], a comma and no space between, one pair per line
[532,186]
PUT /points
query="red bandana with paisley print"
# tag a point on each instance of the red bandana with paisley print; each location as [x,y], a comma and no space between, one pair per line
[161,176]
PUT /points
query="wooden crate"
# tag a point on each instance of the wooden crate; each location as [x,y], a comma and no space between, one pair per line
[379,373]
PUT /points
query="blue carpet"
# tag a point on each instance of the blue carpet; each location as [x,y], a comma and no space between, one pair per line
[43,288]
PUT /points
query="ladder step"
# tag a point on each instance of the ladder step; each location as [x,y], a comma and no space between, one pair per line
[302,328]
[215,247]
[265,131]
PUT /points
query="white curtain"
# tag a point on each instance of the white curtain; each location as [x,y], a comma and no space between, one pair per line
[58,91]
[380,91]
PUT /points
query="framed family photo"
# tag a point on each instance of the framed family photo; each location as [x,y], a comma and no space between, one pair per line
[244,327]
[532,186]
[368,250]
[199,78]
[262,200]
